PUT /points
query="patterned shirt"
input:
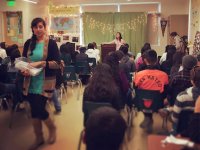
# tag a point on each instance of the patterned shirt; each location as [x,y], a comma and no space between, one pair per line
[184,101]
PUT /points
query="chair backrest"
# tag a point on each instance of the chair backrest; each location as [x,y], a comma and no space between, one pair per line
[88,107]
[148,100]
[6,61]
[92,62]
[66,58]
[69,73]
[184,121]
[4,71]
[82,68]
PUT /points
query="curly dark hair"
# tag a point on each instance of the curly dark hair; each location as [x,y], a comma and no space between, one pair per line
[101,86]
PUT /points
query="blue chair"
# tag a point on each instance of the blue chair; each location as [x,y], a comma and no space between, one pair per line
[66,58]
[82,68]
[71,78]
[92,63]
[148,101]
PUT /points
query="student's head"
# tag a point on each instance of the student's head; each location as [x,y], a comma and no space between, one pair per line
[100,83]
[119,54]
[3,45]
[126,44]
[124,49]
[112,60]
[90,46]
[150,57]
[82,49]
[189,62]
[105,130]
[195,76]
[173,34]
[95,45]
[170,48]
[118,36]
[146,47]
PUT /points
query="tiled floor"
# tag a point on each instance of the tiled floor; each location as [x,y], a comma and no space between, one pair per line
[69,126]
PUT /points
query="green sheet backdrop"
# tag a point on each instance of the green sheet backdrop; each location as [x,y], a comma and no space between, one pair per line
[102,27]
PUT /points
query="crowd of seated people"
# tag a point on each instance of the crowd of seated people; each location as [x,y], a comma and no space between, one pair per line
[175,76]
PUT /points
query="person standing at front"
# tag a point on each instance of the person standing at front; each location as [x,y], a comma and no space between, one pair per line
[119,41]
[41,52]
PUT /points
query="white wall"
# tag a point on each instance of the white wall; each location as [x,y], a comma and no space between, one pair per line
[29,11]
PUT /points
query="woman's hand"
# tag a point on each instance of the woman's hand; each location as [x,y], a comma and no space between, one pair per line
[25,72]
[38,64]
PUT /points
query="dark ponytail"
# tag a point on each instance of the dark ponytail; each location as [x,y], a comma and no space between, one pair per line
[33,43]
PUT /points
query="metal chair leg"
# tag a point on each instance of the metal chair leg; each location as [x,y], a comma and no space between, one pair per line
[80,140]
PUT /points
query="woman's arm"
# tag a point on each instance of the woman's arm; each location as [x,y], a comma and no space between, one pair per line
[112,42]
[53,59]
[123,41]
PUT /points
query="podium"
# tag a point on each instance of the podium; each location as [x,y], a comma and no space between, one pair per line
[105,49]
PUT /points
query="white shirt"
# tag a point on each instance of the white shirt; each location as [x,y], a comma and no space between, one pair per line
[3,53]
[92,53]
[97,54]
[118,43]
[163,58]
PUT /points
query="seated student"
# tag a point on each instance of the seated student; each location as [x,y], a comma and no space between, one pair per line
[99,87]
[91,52]
[127,60]
[119,76]
[123,67]
[82,56]
[185,100]
[181,80]
[176,39]
[104,130]
[139,61]
[3,53]
[177,62]
[66,54]
[150,79]
[166,63]
[13,52]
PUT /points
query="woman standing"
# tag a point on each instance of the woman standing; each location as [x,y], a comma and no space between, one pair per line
[41,52]
[118,41]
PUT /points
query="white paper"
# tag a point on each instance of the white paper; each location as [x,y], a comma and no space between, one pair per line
[21,65]
[173,140]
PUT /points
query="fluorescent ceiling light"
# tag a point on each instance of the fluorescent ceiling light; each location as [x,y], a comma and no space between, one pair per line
[31,1]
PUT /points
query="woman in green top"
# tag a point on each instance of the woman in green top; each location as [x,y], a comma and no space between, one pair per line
[41,52]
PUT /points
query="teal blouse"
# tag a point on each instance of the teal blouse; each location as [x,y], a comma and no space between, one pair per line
[36,82]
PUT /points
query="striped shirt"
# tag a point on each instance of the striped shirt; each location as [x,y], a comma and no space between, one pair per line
[184,101]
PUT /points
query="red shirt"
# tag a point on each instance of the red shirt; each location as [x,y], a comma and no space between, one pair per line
[151,80]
